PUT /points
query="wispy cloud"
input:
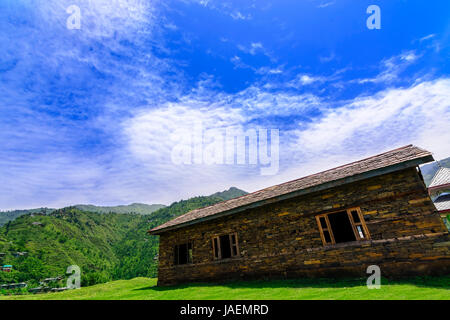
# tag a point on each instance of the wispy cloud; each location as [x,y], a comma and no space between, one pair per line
[237,15]
[325,4]
[325,59]
[392,117]
[357,128]
[392,67]
[430,36]
[305,79]
[253,48]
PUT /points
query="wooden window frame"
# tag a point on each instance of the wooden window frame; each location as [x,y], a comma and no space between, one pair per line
[328,229]
[190,258]
[217,252]
[361,223]
[355,225]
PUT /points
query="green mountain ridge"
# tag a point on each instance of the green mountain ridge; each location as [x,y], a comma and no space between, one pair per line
[6,216]
[140,208]
[106,246]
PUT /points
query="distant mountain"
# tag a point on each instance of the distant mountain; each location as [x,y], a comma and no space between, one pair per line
[229,194]
[183,206]
[429,169]
[6,216]
[140,208]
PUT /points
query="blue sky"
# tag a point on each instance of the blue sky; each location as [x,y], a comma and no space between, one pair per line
[88,115]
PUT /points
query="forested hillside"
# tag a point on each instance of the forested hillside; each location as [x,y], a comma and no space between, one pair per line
[6,216]
[140,208]
[106,246]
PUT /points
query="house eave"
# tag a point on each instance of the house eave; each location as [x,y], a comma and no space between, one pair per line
[335,183]
[442,186]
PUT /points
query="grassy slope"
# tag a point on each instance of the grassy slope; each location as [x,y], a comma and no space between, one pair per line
[145,289]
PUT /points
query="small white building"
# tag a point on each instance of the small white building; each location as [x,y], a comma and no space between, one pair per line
[439,191]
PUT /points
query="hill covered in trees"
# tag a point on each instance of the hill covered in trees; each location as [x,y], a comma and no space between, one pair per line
[106,246]
[6,216]
[140,208]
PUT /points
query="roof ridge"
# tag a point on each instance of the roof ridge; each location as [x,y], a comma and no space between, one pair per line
[341,166]
[307,176]
[406,154]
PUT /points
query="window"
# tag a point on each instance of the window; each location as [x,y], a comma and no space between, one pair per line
[225,247]
[342,226]
[183,253]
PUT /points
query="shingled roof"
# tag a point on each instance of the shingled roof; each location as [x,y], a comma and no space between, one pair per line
[401,158]
[441,178]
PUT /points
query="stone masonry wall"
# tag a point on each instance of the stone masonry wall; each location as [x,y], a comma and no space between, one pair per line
[282,239]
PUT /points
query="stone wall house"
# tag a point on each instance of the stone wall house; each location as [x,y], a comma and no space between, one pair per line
[335,223]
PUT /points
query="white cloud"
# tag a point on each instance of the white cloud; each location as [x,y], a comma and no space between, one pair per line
[306,79]
[325,59]
[100,18]
[419,114]
[267,70]
[430,36]
[326,4]
[392,67]
[237,15]
[255,48]
[151,134]
[238,63]
[358,128]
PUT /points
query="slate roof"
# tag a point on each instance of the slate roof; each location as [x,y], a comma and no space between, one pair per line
[442,203]
[441,177]
[407,156]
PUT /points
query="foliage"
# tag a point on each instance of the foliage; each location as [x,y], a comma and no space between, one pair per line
[65,237]
[105,246]
[139,208]
[6,216]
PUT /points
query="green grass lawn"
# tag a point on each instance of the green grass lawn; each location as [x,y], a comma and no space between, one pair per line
[145,288]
